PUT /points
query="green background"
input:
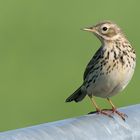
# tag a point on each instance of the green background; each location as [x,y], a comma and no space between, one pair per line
[43,54]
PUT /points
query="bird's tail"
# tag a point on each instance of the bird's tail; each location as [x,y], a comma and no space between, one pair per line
[77,96]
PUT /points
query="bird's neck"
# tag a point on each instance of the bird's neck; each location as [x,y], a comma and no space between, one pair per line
[121,46]
[120,38]
[113,42]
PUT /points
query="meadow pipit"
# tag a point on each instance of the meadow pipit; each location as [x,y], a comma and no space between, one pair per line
[110,69]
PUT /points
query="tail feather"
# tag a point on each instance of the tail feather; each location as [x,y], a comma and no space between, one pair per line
[77,96]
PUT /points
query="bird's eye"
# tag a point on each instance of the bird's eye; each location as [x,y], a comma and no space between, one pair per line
[104,28]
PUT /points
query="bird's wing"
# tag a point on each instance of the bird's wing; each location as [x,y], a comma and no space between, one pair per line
[94,62]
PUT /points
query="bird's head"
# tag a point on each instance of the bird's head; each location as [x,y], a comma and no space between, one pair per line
[105,31]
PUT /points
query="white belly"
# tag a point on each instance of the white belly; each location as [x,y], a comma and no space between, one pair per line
[112,83]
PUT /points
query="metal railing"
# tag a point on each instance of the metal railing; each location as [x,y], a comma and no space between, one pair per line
[88,127]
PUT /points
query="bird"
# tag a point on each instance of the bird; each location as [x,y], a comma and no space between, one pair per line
[110,69]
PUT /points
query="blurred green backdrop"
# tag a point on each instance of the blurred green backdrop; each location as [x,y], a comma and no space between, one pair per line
[43,54]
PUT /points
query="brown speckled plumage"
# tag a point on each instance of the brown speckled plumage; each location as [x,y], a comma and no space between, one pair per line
[110,69]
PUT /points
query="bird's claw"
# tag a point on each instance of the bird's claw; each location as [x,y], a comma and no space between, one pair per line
[105,113]
[101,112]
[122,115]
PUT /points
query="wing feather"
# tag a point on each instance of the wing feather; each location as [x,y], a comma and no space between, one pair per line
[95,60]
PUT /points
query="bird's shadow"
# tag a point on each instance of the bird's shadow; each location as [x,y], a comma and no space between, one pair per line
[93,112]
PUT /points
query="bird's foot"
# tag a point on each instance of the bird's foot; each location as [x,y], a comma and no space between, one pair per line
[114,110]
[104,112]
[122,115]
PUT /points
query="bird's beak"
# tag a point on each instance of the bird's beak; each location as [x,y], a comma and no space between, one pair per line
[90,29]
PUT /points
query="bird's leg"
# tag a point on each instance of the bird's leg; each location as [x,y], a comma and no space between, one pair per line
[98,110]
[114,110]
[112,105]
[95,104]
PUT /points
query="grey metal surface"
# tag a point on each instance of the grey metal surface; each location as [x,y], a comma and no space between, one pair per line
[88,127]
